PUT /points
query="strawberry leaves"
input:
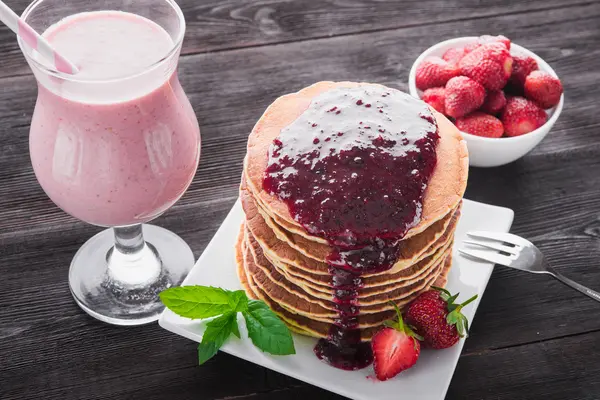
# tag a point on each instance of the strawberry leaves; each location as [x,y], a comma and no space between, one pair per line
[400,326]
[455,316]
[265,329]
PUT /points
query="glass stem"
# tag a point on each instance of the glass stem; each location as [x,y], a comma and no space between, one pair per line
[132,262]
[129,239]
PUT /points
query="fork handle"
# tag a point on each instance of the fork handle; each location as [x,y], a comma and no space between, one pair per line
[587,291]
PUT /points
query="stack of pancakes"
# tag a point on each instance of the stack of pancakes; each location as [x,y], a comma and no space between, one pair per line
[282,264]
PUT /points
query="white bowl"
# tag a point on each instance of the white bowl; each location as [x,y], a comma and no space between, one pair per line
[489,152]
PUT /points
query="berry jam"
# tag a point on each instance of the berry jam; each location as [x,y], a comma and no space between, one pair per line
[353,169]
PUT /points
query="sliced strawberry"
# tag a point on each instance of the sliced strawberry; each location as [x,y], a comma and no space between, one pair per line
[395,348]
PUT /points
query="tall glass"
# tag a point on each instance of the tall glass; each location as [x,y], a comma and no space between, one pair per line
[117,153]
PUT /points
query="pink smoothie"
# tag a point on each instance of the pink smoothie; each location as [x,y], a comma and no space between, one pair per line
[110,149]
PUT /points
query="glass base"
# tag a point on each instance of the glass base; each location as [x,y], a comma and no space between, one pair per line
[122,289]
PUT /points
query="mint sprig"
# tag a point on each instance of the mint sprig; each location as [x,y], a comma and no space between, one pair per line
[199,302]
[265,329]
[216,333]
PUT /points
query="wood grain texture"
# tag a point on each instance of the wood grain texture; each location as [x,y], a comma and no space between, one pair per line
[532,337]
[214,25]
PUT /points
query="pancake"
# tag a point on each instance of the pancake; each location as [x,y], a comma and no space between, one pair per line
[368,281]
[320,328]
[298,323]
[296,299]
[326,292]
[283,224]
[365,291]
[445,188]
[362,293]
[250,289]
[282,264]
[412,250]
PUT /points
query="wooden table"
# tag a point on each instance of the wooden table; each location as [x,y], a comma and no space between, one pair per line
[532,339]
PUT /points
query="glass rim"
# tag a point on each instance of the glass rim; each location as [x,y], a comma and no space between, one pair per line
[73,78]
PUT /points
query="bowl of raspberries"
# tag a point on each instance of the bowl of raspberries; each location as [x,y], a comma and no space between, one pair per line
[502,97]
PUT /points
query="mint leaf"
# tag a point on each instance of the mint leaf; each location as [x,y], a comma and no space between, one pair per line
[216,333]
[238,301]
[266,330]
[197,301]
[236,330]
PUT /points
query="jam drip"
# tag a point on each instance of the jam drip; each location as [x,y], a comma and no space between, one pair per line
[343,348]
[353,169]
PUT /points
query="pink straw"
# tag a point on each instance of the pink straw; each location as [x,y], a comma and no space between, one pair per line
[34,40]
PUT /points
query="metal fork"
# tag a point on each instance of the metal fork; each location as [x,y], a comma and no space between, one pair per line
[517,253]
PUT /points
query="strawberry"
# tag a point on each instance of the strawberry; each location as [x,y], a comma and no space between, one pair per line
[435,97]
[437,318]
[485,39]
[490,64]
[463,95]
[472,46]
[434,72]
[494,102]
[521,116]
[543,88]
[522,66]
[395,348]
[494,39]
[454,55]
[481,124]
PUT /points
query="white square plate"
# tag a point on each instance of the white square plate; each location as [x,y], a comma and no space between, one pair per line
[427,380]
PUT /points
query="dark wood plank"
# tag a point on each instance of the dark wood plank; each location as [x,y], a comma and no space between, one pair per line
[223,147]
[555,369]
[50,349]
[228,102]
[215,25]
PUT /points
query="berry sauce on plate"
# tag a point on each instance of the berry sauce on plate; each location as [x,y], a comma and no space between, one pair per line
[353,169]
